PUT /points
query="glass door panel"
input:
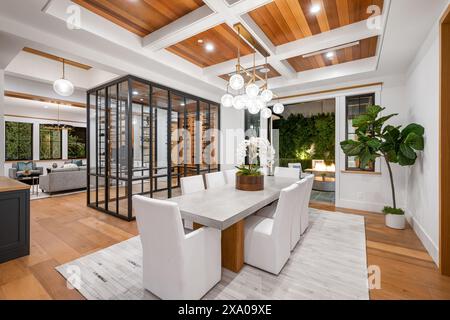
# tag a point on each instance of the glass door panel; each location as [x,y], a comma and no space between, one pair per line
[203,136]
[160,108]
[213,153]
[192,138]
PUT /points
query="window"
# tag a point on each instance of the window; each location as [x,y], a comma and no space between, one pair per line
[76,143]
[356,105]
[252,124]
[19,141]
[50,142]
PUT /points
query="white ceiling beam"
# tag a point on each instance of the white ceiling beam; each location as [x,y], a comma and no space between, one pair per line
[326,40]
[326,73]
[197,21]
[213,13]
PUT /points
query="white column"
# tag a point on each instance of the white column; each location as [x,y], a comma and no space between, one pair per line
[36,141]
[2,122]
[65,144]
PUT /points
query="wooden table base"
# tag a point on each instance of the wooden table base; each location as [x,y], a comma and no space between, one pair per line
[232,246]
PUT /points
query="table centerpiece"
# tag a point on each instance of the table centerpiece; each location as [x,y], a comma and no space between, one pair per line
[253,154]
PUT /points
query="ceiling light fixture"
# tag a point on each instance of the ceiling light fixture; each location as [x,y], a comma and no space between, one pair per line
[249,95]
[62,86]
[209,47]
[315,9]
[135,93]
[330,55]
[200,41]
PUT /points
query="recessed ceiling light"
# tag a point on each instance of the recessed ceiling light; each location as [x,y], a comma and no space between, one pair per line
[209,47]
[182,104]
[141,99]
[315,8]
[200,41]
[264,70]
[135,93]
[330,55]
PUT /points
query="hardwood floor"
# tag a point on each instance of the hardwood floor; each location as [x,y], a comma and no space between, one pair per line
[63,229]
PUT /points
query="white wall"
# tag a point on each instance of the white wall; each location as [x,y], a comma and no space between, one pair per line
[422,91]
[232,131]
[2,122]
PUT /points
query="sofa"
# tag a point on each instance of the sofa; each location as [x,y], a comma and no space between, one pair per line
[64,179]
[18,169]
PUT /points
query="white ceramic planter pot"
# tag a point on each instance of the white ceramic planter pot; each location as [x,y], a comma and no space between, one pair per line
[395,221]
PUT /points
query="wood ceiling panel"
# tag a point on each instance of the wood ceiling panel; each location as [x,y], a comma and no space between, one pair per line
[224,39]
[141,17]
[272,74]
[367,48]
[285,21]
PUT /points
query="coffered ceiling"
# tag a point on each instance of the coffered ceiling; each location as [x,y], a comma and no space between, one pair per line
[284,21]
[200,38]
[363,49]
[141,17]
[223,42]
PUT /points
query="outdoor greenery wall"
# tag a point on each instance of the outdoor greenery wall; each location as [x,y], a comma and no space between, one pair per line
[303,139]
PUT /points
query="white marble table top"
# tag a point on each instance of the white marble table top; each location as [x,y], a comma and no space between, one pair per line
[222,207]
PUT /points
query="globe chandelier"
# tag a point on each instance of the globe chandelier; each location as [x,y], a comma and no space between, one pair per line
[250,96]
[62,86]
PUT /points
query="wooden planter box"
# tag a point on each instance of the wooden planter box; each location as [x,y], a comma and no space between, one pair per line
[250,183]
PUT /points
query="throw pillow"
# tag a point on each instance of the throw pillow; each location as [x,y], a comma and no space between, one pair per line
[24,166]
[70,166]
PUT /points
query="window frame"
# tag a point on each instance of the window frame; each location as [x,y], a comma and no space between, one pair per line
[347,98]
[51,144]
[69,144]
[32,142]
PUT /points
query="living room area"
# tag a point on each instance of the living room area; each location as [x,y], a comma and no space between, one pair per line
[224,150]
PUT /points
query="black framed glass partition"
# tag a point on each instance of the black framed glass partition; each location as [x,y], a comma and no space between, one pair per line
[142,138]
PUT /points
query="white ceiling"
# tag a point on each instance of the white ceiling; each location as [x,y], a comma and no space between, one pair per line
[113,50]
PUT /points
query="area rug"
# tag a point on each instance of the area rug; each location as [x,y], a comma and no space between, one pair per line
[329,263]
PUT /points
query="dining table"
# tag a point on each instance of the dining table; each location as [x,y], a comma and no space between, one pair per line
[225,208]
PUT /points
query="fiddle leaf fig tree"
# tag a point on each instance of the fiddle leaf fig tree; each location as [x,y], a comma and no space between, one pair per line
[376,139]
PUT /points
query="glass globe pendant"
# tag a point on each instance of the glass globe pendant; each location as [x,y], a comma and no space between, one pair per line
[278,108]
[239,102]
[252,106]
[252,90]
[237,82]
[227,100]
[266,113]
[267,95]
[62,86]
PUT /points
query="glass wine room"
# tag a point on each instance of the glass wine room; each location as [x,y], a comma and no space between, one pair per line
[142,138]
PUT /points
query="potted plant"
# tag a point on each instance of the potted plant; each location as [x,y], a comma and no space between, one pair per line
[397,145]
[252,154]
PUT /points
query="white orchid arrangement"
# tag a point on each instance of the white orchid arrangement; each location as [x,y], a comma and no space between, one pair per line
[259,152]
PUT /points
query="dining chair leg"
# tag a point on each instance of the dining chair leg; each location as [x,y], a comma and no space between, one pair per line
[232,246]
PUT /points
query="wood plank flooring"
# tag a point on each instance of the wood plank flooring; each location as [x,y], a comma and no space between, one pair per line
[63,229]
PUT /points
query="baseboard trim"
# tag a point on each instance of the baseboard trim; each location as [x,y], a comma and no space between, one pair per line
[361,205]
[426,240]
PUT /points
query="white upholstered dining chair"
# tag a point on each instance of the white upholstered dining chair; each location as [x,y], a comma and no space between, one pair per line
[300,198]
[304,213]
[267,241]
[215,180]
[192,184]
[176,265]
[230,176]
[287,172]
